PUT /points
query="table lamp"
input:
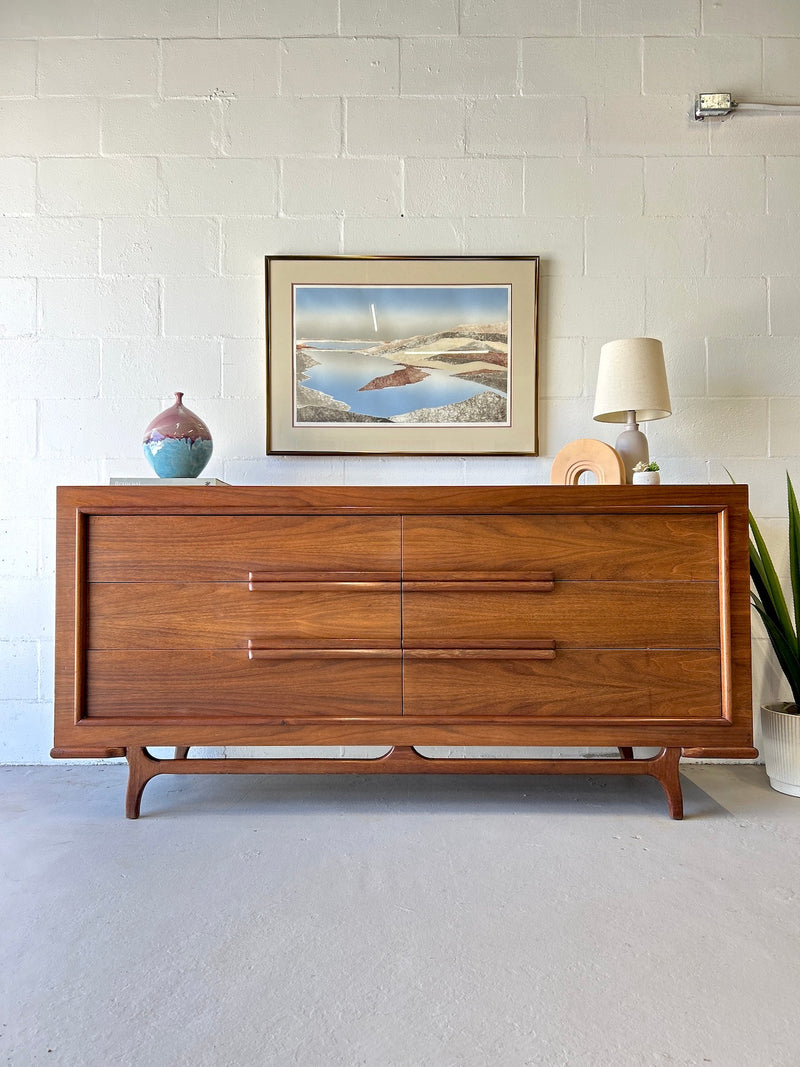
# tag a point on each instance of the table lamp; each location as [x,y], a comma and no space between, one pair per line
[632,388]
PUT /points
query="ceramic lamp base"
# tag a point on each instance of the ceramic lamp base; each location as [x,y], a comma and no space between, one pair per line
[632,446]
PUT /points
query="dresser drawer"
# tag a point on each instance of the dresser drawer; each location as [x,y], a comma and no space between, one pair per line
[575,546]
[573,685]
[575,614]
[141,548]
[268,685]
[165,615]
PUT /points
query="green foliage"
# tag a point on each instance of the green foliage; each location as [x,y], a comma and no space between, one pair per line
[781,623]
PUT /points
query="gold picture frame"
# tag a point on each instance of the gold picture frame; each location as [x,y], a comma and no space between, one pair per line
[402,355]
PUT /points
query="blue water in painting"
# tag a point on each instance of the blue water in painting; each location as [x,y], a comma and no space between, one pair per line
[341,373]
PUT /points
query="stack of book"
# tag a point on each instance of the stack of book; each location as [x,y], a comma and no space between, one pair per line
[166,481]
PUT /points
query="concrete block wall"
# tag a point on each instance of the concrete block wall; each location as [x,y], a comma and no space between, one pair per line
[151,155]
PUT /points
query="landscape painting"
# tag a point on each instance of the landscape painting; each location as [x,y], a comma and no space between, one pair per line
[401,355]
[406,354]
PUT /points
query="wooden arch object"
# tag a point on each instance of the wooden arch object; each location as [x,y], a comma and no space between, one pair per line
[587,455]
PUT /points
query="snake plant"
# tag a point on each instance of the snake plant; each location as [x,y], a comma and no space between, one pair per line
[782,621]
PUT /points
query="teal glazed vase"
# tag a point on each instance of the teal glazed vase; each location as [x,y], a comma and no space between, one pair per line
[177,443]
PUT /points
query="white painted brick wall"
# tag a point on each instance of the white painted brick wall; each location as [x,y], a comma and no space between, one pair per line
[388,18]
[98,307]
[17,186]
[93,186]
[387,126]
[152,154]
[447,187]
[784,306]
[218,307]
[237,67]
[53,127]
[163,361]
[696,186]
[17,68]
[160,246]
[577,66]
[459,66]
[219,186]
[276,126]
[44,247]
[584,187]
[781,58]
[672,63]
[161,127]
[783,176]
[535,126]
[158,18]
[299,18]
[330,187]
[43,18]
[36,368]
[336,67]
[244,239]
[778,18]
[98,68]
[17,307]
[512,18]
[627,17]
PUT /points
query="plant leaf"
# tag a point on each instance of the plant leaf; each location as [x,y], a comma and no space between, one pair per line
[787,660]
[794,551]
[763,572]
[768,597]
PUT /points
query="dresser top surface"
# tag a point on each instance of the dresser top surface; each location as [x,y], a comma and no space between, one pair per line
[402,499]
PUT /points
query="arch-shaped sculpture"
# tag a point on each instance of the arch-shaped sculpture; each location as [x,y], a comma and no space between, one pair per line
[587,456]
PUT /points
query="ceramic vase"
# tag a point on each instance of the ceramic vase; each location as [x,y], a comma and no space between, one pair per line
[177,443]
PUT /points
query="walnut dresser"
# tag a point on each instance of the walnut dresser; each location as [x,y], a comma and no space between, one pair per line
[406,617]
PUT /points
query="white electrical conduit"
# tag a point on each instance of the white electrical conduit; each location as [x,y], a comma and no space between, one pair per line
[720,105]
[793,109]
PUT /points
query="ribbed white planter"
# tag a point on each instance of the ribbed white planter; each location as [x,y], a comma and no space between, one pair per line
[780,733]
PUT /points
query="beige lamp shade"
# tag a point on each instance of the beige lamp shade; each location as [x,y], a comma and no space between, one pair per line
[632,377]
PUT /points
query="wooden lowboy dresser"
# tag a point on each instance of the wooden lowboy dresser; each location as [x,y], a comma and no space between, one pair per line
[442,616]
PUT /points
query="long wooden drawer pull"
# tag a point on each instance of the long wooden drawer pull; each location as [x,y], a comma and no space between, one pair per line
[314,587]
[481,653]
[274,579]
[465,575]
[546,585]
[306,654]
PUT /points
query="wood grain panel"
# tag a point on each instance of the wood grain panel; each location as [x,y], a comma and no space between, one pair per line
[583,546]
[174,687]
[226,615]
[575,614]
[139,548]
[576,684]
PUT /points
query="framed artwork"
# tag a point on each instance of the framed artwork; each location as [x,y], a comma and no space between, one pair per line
[402,355]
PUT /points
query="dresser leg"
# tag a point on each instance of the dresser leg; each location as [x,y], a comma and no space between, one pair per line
[141,768]
[666,768]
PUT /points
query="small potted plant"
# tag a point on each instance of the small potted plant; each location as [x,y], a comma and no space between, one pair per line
[780,722]
[647,474]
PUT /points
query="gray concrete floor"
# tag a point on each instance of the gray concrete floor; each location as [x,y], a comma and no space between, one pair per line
[398,922]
